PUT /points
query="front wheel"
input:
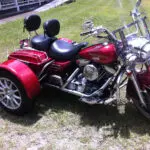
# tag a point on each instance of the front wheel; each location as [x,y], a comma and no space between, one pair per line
[145,111]
[13,97]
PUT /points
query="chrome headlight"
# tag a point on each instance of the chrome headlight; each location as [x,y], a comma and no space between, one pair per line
[142,46]
[145,51]
[131,57]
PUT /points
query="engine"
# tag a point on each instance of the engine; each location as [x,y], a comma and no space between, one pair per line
[91,78]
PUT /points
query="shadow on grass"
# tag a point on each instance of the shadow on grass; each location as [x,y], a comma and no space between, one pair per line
[98,116]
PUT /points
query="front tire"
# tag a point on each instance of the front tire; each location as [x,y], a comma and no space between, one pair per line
[145,111]
[13,97]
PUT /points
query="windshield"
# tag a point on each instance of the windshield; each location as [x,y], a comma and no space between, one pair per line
[126,16]
[132,17]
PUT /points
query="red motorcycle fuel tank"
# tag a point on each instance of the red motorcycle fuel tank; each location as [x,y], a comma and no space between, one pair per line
[100,53]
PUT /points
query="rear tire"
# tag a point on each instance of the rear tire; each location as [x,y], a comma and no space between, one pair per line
[13,97]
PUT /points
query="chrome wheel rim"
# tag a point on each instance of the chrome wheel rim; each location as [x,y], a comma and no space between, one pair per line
[10,95]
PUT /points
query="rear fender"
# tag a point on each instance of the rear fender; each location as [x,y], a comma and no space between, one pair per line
[24,75]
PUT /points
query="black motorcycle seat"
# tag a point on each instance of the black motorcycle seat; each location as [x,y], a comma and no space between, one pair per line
[42,42]
[61,50]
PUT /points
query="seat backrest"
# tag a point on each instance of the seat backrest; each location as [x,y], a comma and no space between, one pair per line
[32,22]
[51,27]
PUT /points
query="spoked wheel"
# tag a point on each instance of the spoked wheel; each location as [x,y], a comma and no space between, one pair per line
[12,95]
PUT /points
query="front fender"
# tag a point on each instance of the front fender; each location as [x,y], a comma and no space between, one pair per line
[24,75]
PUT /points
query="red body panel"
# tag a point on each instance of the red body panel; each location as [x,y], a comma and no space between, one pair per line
[30,56]
[35,59]
[24,74]
[100,53]
[59,67]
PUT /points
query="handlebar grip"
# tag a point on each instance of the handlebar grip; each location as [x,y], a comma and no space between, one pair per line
[86,33]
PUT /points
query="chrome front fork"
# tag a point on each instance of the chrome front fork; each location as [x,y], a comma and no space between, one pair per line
[136,85]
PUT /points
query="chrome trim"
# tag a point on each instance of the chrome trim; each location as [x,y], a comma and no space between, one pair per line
[45,67]
[83,97]
[70,78]
[99,91]
[67,90]
[110,100]
[79,93]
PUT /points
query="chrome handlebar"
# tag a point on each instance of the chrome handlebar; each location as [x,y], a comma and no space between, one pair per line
[94,31]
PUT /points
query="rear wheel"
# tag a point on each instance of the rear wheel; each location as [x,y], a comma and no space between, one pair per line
[13,97]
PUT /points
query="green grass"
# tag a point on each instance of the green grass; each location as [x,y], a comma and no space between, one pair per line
[71,18]
[59,120]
